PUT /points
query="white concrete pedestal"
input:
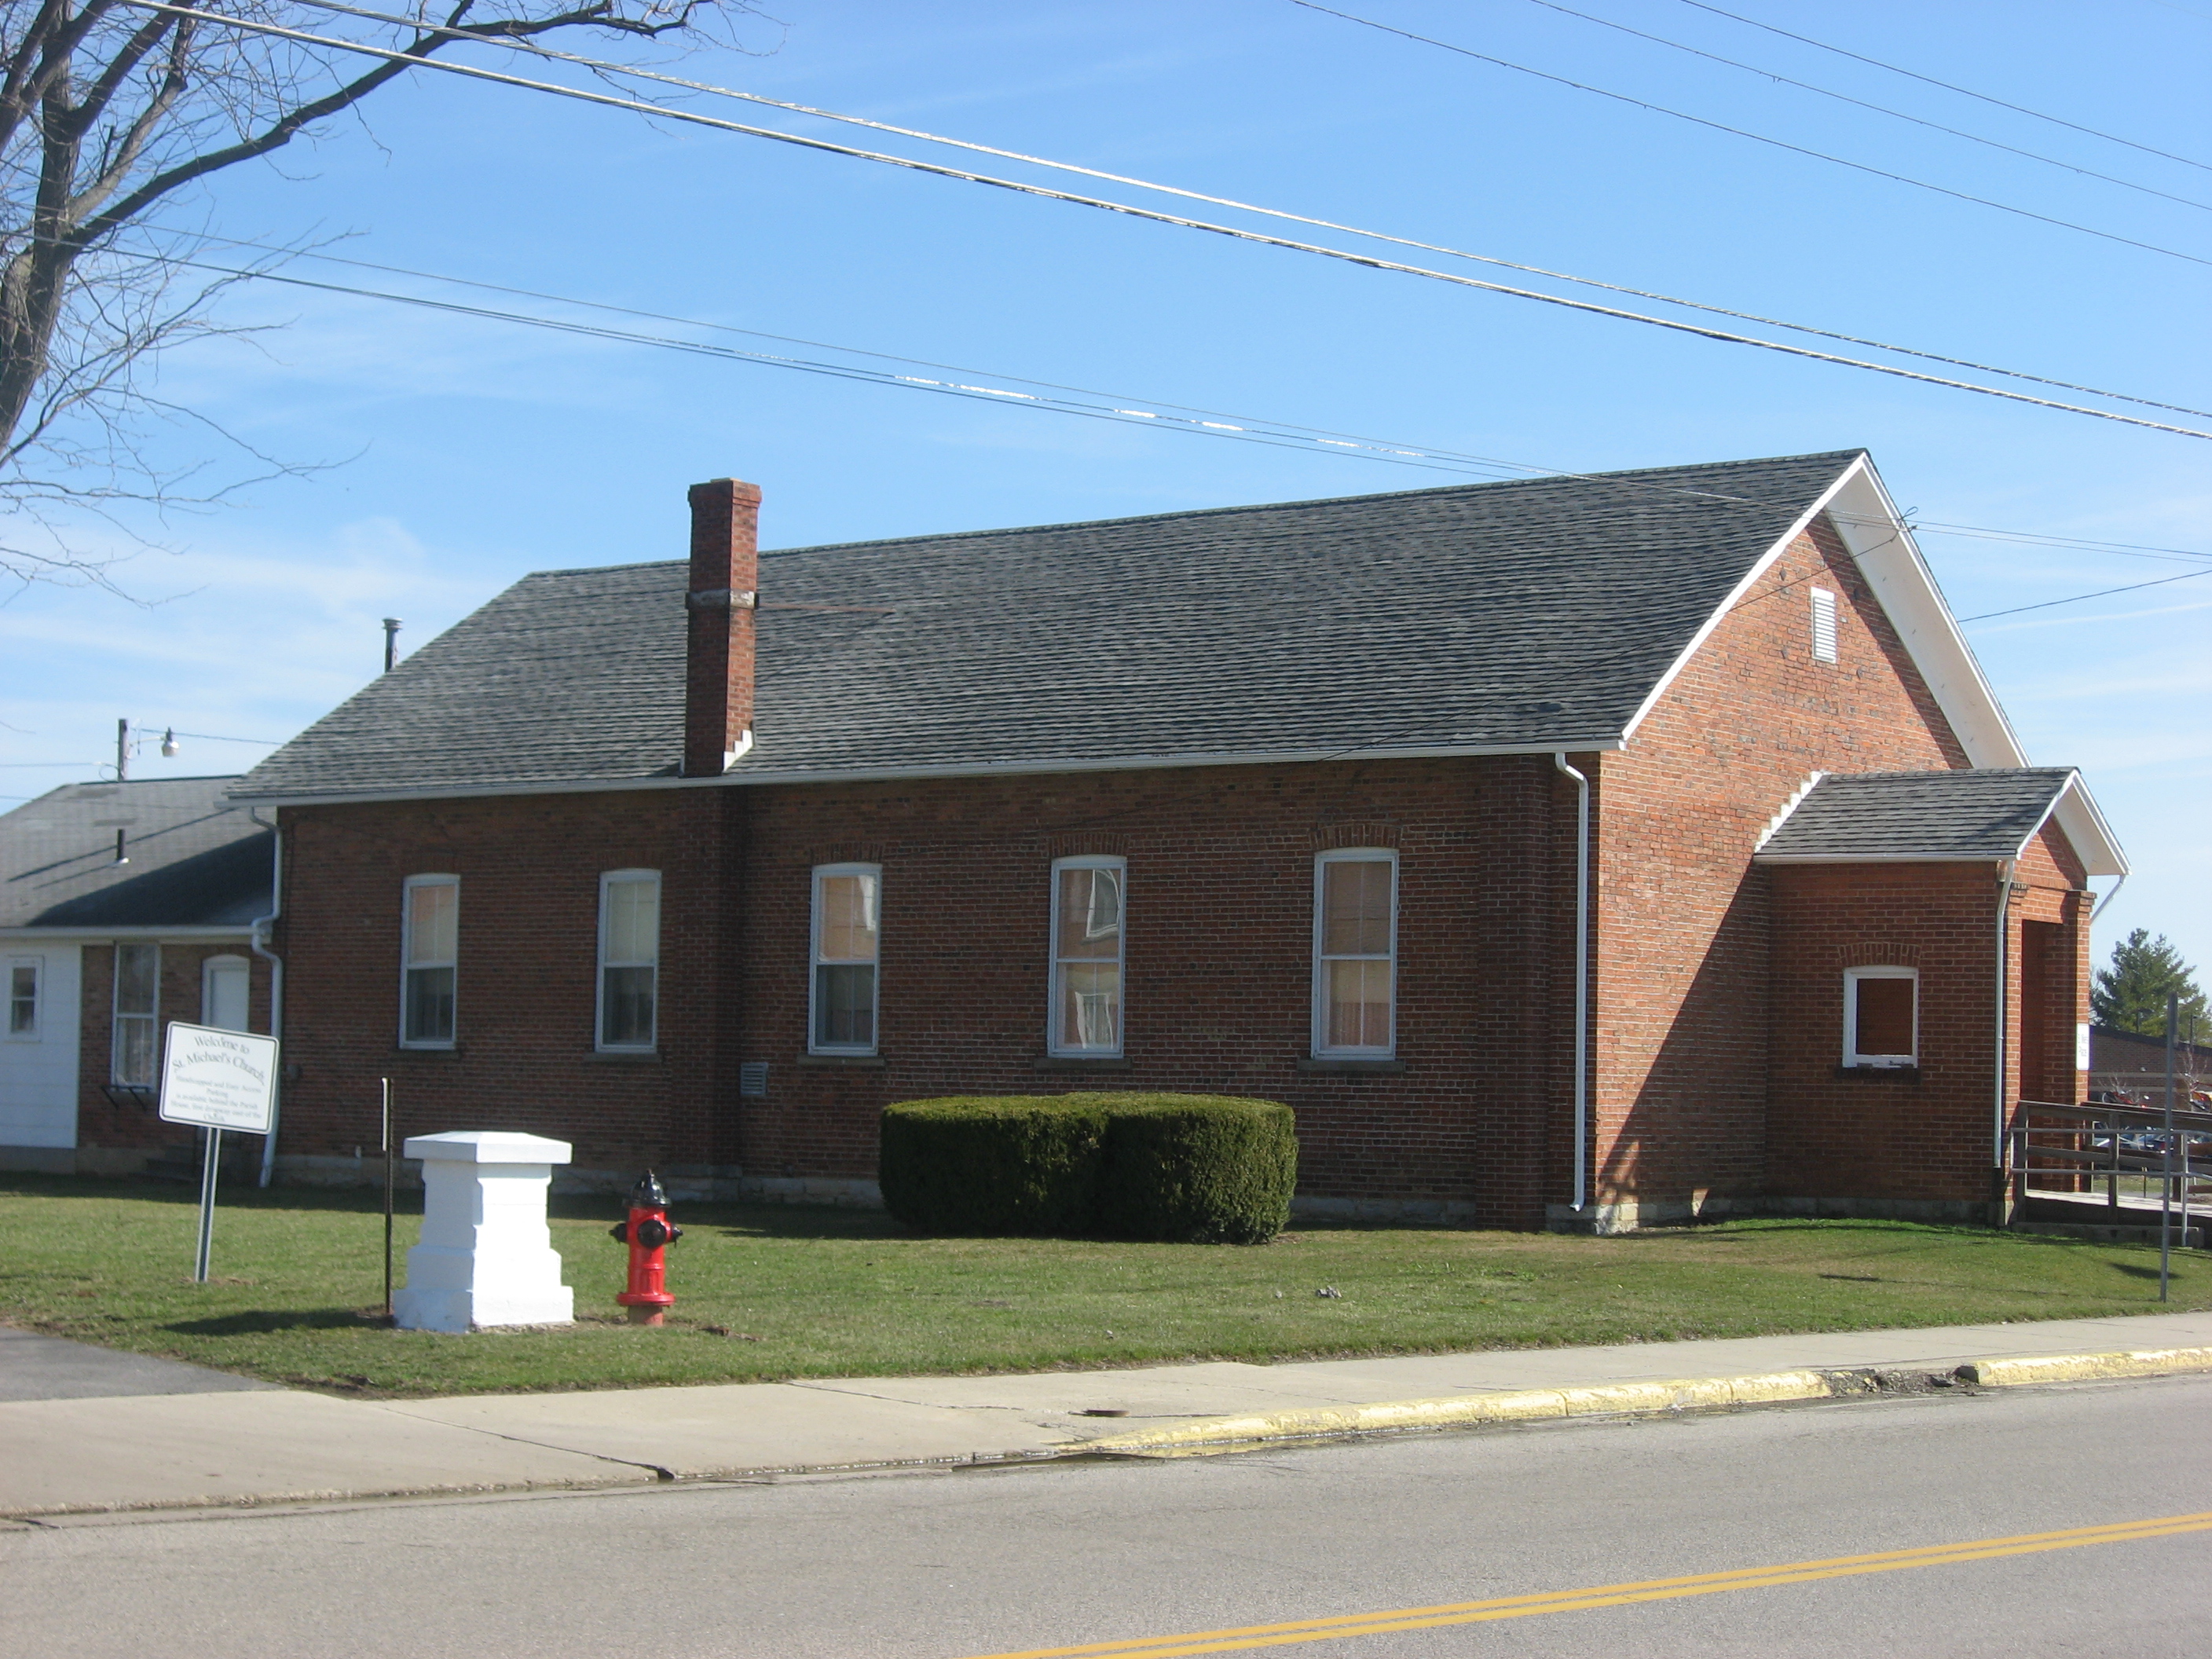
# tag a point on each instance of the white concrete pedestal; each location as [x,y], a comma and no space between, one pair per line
[487,1257]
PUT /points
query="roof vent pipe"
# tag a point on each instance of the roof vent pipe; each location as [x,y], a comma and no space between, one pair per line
[719,606]
[1581,981]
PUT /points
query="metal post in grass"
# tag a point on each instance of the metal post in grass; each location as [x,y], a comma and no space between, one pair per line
[2166,1181]
[387,1149]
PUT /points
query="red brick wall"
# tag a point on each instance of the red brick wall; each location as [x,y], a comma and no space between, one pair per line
[527,993]
[1218,959]
[1682,988]
[1874,1134]
[1219,963]
[100,1123]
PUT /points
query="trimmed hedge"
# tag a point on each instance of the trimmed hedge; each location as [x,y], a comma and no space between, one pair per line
[1197,1169]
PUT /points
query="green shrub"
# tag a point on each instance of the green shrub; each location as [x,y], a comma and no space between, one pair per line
[993,1164]
[1211,1169]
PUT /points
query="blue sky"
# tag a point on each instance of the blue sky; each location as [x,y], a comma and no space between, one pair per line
[470,451]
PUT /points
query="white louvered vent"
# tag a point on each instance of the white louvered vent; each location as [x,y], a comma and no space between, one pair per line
[1824,625]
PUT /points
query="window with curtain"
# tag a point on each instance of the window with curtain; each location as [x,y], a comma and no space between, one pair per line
[1086,956]
[137,1014]
[429,952]
[1882,1017]
[1355,952]
[847,900]
[630,958]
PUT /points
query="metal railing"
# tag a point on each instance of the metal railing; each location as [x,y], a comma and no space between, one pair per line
[2064,1151]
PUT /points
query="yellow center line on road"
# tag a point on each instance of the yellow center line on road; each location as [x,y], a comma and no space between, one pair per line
[1614,1595]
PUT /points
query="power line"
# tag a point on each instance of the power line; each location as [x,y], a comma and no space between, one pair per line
[1279,438]
[1154,216]
[1335,440]
[1757,137]
[601,66]
[1861,103]
[1964,92]
[2101,593]
[1284,434]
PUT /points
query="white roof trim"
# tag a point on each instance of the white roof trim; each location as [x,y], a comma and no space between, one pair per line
[1579,744]
[2094,843]
[1880,544]
[1735,597]
[241,932]
[1774,824]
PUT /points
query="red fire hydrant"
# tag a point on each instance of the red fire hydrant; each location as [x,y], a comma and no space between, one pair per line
[648,1233]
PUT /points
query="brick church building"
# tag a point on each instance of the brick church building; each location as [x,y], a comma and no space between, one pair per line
[1581,851]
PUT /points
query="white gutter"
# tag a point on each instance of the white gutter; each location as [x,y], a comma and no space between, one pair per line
[237,931]
[258,938]
[2004,975]
[1581,981]
[1580,743]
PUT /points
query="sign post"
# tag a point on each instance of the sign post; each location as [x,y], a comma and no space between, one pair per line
[217,1080]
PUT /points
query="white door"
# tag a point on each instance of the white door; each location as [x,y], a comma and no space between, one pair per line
[223,983]
[37,1044]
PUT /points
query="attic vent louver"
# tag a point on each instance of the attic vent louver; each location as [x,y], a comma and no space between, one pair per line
[1824,625]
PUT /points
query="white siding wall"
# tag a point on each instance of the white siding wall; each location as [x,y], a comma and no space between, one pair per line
[38,1074]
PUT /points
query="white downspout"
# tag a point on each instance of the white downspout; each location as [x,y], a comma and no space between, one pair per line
[259,938]
[1581,981]
[2004,951]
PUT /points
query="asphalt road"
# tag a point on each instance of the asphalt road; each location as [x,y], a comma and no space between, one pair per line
[949,1565]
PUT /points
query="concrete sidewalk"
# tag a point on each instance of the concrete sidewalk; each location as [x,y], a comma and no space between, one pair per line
[142,1450]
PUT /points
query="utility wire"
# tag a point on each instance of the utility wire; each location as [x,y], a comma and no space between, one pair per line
[602,66]
[1105,204]
[1282,438]
[1964,92]
[1224,423]
[1757,137]
[1861,103]
[2101,593]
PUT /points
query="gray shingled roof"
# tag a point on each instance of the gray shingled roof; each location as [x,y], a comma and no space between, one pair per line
[1987,814]
[1537,612]
[196,860]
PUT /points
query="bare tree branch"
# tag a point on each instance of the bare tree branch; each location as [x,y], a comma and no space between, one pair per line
[109,110]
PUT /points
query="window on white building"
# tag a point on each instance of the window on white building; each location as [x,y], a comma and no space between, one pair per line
[630,958]
[429,951]
[1355,953]
[1086,956]
[846,939]
[23,975]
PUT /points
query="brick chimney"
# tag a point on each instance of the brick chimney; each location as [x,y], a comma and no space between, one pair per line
[718,655]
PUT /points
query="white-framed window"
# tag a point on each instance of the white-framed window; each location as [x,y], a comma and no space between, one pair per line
[137,1050]
[1355,953]
[226,985]
[1086,956]
[26,975]
[846,937]
[1882,1017]
[629,958]
[1824,625]
[429,952]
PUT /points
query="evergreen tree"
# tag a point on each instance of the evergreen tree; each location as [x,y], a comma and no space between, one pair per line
[2131,993]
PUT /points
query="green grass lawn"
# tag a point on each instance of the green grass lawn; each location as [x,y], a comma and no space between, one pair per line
[770,1291]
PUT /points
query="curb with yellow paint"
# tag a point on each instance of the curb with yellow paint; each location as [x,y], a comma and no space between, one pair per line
[1628,1400]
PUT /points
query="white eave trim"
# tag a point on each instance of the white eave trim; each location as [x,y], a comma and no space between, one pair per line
[2100,854]
[239,931]
[1579,744]
[1881,858]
